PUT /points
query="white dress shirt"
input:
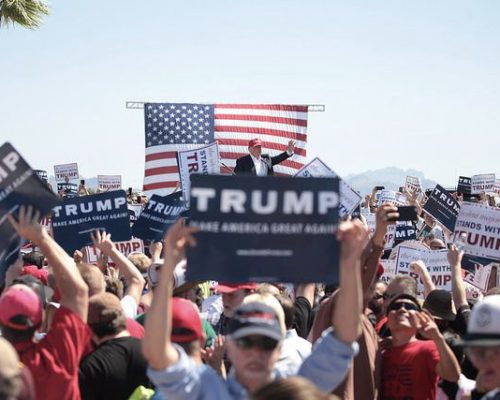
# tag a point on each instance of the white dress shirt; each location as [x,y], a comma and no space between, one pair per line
[260,166]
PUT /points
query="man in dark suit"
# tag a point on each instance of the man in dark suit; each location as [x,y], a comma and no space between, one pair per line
[260,164]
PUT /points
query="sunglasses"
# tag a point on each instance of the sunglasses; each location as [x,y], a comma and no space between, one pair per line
[378,296]
[262,342]
[402,304]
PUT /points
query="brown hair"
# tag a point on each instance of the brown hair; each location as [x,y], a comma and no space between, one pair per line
[294,388]
[93,277]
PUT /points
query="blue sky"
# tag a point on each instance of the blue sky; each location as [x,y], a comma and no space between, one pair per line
[412,84]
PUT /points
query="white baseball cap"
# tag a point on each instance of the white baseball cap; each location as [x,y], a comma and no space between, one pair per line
[484,323]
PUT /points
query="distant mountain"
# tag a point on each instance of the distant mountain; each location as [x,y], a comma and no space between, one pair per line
[391,177]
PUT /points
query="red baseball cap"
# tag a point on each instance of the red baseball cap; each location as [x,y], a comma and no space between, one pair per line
[41,274]
[22,303]
[255,142]
[186,322]
[223,288]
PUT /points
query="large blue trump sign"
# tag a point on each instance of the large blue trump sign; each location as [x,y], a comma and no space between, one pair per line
[264,229]
[77,217]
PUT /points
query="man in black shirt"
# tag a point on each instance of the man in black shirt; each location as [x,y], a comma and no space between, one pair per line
[116,367]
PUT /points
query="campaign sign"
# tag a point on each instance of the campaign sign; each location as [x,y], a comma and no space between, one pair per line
[443,207]
[42,174]
[479,278]
[389,271]
[109,182]
[10,244]
[134,211]
[69,189]
[483,183]
[126,248]
[204,160]
[464,185]
[413,184]
[264,229]
[158,215]
[76,218]
[349,198]
[481,224]
[405,231]
[19,185]
[436,262]
[65,172]
[388,197]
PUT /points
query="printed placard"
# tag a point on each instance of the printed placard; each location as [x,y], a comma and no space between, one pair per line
[436,262]
[76,218]
[497,186]
[42,175]
[106,183]
[349,198]
[443,207]
[134,211]
[126,248]
[464,185]
[388,197]
[405,231]
[413,184]
[68,189]
[481,224]
[204,160]
[253,229]
[10,244]
[66,172]
[19,185]
[483,183]
[389,271]
[157,216]
[479,278]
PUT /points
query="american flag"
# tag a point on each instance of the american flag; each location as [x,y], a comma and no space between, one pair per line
[174,127]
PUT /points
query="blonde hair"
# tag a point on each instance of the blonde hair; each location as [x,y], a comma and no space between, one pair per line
[271,301]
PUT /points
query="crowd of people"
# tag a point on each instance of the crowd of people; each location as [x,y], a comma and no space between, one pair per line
[133,328]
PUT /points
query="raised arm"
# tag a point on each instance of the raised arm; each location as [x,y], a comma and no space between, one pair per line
[346,318]
[421,270]
[386,215]
[457,282]
[448,367]
[74,291]
[156,345]
[135,281]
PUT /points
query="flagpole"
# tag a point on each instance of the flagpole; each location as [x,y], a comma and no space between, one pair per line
[139,105]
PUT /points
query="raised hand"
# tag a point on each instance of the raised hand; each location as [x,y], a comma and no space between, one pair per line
[353,236]
[102,241]
[291,146]
[178,237]
[425,325]
[28,224]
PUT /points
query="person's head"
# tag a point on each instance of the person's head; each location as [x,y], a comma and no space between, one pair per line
[293,388]
[398,314]
[440,305]
[271,301]
[253,343]
[114,286]
[288,309]
[141,262]
[93,277]
[10,371]
[376,302]
[429,220]
[233,295]
[398,285]
[34,258]
[255,147]
[482,340]
[187,329]
[105,315]
[21,313]
[437,244]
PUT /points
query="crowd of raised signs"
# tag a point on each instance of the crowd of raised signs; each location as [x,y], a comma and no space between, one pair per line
[117,296]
